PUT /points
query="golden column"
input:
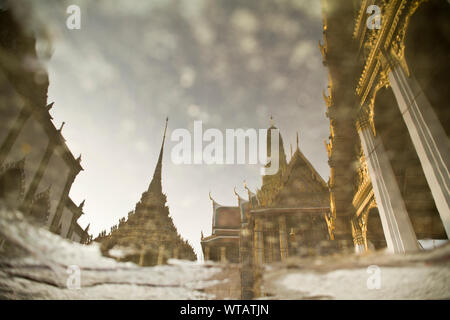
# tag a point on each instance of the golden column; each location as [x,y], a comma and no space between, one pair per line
[259,242]
[223,254]
[283,237]
[175,252]
[358,236]
[161,254]
[142,256]
[207,253]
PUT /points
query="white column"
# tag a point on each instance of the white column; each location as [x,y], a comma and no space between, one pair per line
[428,136]
[397,227]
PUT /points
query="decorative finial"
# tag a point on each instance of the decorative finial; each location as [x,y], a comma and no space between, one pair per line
[202,234]
[49,106]
[79,158]
[210,197]
[297,141]
[271,121]
[62,126]
[87,228]
[237,195]
[81,205]
[246,188]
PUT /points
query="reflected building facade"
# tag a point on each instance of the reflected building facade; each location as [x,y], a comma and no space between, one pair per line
[285,217]
[388,149]
[387,104]
[37,168]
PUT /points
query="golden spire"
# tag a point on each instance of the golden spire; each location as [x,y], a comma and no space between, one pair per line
[271,121]
[165,129]
[155,184]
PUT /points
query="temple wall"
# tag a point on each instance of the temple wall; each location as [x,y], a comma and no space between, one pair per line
[66,221]
[75,237]
[55,176]
[31,144]
[10,105]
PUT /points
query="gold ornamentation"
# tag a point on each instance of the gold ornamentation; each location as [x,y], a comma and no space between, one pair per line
[365,119]
[330,217]
[323,49]
[389,39]
[359,22]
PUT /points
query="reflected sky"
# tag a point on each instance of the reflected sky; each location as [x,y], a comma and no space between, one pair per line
[229,63]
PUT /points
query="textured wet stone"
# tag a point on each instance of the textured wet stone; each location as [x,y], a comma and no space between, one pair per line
[34,264]
[424,275]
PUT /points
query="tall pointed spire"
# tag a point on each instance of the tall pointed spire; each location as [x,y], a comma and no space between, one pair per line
[155,185]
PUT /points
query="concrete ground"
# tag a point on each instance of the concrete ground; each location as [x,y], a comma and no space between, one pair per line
[36,264]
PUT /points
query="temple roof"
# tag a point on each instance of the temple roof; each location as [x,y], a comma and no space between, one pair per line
[297,185]
[225,217]
[301,185]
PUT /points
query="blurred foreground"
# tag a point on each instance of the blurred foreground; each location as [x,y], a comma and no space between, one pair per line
[36,264]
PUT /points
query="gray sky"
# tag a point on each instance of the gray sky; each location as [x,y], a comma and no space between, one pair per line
[229,63]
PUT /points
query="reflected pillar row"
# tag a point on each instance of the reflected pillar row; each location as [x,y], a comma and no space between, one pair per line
[428,137]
